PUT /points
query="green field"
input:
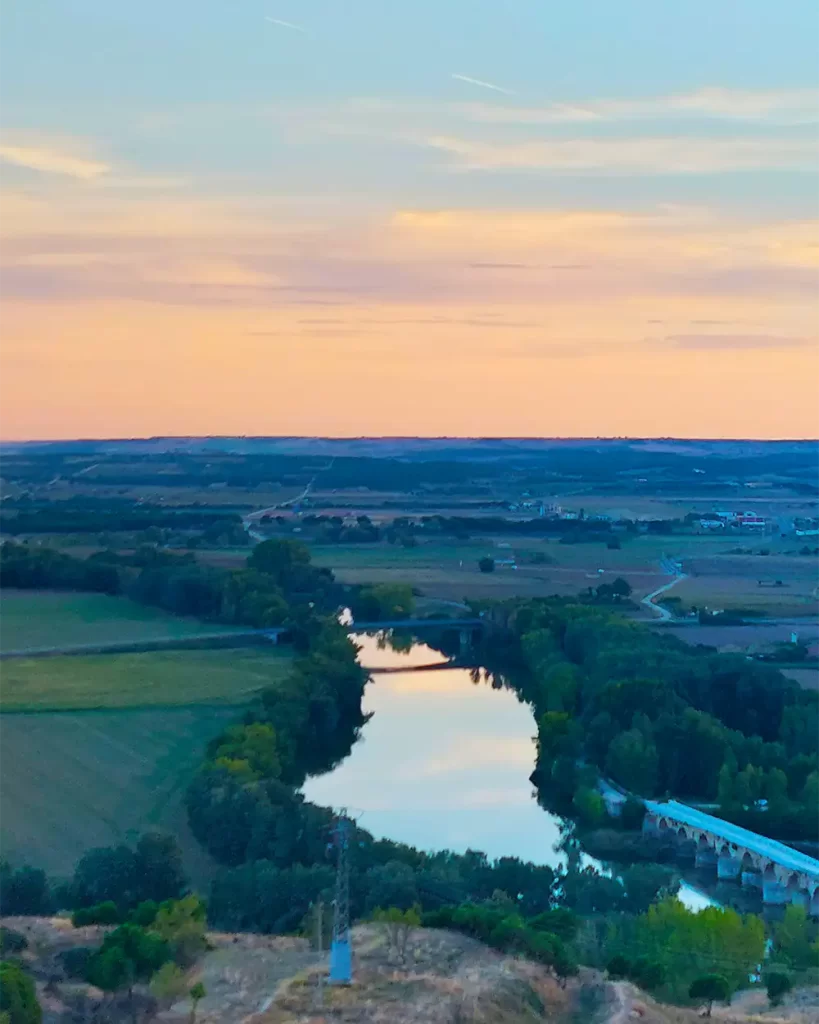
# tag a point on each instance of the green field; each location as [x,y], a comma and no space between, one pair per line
[51,619]
[149,679]
[71,777]
[72,781]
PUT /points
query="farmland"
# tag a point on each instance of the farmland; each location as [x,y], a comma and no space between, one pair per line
[50,619]
[71,781]
[150,679]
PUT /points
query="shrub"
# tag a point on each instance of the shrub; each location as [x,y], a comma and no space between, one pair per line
[18,997]
[486,564]
[777,985]
[145,914]
[618,967]
[710,989]
[648,974]
[106,912]
[75,961]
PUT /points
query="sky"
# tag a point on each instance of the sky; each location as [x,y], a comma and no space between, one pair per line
[374,218]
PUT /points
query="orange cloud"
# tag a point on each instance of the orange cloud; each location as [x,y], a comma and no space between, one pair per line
[143,315]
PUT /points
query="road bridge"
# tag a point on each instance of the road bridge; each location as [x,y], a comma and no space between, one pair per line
[413,625]
[783,874]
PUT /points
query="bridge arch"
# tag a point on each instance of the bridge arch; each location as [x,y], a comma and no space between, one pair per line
[784,873]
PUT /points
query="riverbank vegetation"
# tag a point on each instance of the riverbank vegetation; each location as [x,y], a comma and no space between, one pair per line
[658,717]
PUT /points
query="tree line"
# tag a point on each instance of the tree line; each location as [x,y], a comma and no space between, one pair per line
[101,515]
[658,716]
[276,586]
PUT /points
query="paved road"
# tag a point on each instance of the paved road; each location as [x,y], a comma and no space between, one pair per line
[648,600]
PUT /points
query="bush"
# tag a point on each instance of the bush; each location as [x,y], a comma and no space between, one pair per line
[75,961]
[145,914]
[486,564]
[777,985]
[168,984]
[648,974]
[24,891]
[618,967]
[18,997]
[710,989]
[101,913]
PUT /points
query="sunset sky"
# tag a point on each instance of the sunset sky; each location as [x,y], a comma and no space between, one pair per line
[461,217]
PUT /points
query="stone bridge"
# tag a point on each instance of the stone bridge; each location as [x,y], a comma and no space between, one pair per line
[783,874]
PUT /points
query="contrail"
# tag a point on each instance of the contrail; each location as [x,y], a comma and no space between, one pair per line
[483,85]
[285,24]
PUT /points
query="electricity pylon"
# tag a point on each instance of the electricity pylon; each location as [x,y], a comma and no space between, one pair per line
[341,960]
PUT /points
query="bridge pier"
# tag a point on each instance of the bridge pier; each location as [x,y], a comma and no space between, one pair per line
[785,875]
[705,857]
[800,898]
[774,893]
[728,867]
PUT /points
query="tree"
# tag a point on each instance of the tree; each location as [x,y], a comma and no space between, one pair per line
[159,865]
[100,913]
[777,985]
[250,751]
[486,564]
[23,891]
[168,984]
[620,587]
[618,967]
[726,787]
[18,996]
[181,923]
[282,559]
[398,927]
[197,993]
[632,761]
[710,989]
[589,805]
[632,814]
[794,938]
[127,954]
[776,792]
[384,601]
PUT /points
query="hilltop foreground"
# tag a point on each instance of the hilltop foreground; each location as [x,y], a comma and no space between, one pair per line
[447,979]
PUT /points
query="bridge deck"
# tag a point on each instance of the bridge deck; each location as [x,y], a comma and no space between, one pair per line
[778,852]
[362,627]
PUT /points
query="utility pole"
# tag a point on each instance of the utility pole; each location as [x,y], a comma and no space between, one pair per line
[341,961]
[320,948]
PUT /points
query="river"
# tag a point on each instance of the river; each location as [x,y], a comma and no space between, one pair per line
[444,763]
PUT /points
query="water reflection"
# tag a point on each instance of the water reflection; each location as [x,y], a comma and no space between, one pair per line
[444,763]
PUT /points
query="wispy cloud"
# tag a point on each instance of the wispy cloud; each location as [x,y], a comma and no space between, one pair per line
[714,342]
[285,24]
[483,85]
[52,161]
[635,155]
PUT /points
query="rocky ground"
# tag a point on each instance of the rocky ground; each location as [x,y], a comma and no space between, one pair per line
[445,978]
